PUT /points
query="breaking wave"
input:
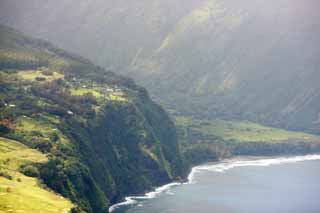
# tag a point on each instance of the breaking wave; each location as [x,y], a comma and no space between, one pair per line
[130,200]
[217,167]
[230,164]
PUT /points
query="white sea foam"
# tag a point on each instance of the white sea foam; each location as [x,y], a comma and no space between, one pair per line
[130,200]
[217,167]
[230,164]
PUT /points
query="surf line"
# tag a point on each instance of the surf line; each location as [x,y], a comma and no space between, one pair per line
[230,164]
[221,166]
[134,199]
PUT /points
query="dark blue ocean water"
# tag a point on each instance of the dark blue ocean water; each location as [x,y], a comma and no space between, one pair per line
[262,186]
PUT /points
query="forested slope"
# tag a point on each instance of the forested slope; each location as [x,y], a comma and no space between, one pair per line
[102,135]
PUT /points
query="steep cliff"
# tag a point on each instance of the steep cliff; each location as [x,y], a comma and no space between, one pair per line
[103,136]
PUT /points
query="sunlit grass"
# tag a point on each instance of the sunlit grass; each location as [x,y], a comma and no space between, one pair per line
[98,93]
[84,91]
[28,124]
[244,131]
[115,97]
[32,75]
[247,131]
[44,128]
[21,193]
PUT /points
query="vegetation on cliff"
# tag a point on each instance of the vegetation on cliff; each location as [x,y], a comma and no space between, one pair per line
[210,140]
[90,137]
[102,136]
[20,190]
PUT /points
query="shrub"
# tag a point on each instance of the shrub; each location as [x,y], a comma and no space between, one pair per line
[4,129]
[40,78]
[54,137]
[30,170]
[44,146]
[5,175]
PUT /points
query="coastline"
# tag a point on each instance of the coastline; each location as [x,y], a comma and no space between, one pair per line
[219,166]
[149,195]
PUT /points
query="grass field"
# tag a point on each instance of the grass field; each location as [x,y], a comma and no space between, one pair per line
[243,131]
[19,193]
[113,96]
[32,75]
[83,91]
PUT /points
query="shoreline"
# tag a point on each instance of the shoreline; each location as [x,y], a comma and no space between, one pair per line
[149,195]
[219,166]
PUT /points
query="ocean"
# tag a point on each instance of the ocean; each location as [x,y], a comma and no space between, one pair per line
[242,185]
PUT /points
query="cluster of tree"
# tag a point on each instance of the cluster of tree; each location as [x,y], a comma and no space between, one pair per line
[20,64]
[64,103]
[6,125]
[30,170]
[264,148]
[198,147]
[72,179]
[17,101]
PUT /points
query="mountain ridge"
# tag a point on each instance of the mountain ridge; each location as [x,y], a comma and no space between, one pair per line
[253,60]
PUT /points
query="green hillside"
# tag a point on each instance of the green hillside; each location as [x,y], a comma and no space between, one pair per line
[251,60]
[238,78]
[244,131]
[100,135]
[19,192]
[206,140]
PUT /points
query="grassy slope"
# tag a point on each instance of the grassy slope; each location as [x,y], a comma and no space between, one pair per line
[31,75]
[244,131]
[203,141]
[21,193]
[85,119]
